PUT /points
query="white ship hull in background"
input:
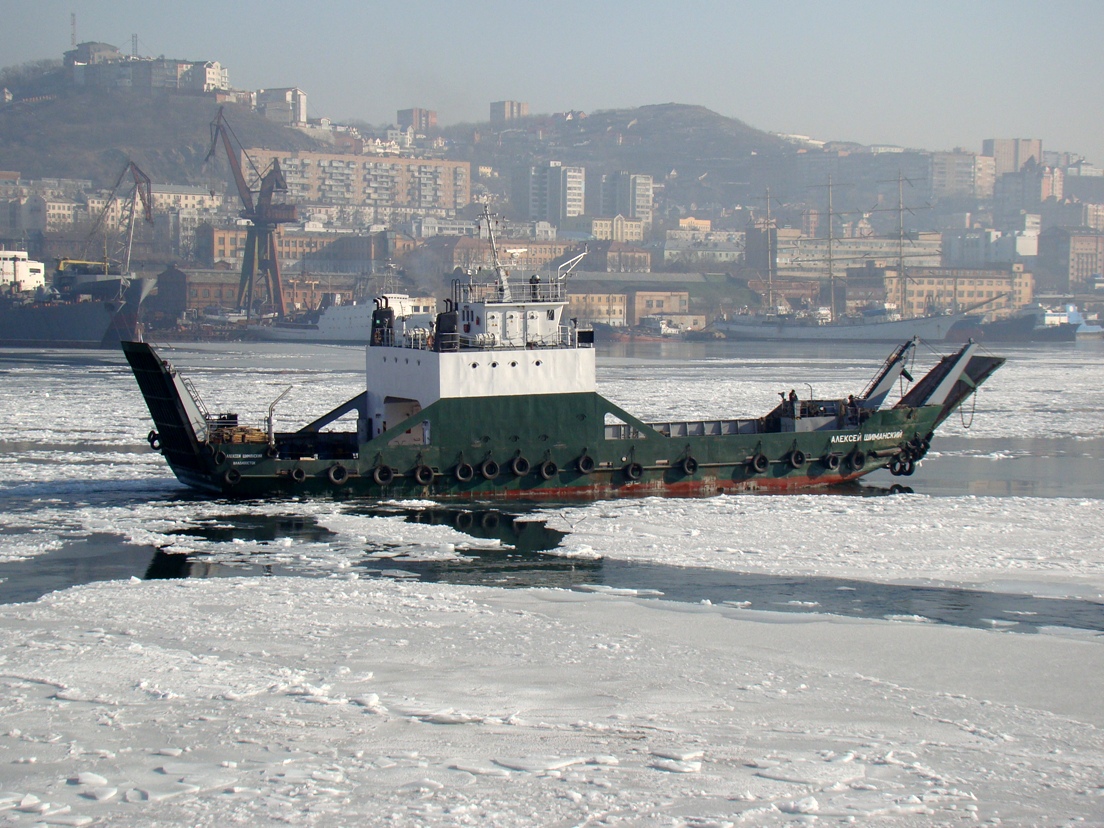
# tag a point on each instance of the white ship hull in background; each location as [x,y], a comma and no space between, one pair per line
[859,329]
[338,324]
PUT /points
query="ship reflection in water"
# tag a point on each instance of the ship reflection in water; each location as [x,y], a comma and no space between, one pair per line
[515,557]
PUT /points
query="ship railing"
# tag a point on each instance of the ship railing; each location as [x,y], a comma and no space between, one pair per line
[519,291]
[194,394]
[706,428]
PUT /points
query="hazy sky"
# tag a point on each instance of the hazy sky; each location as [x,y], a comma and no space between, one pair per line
[933,75]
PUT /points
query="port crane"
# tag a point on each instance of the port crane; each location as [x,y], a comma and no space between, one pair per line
[116,253]
[259,262]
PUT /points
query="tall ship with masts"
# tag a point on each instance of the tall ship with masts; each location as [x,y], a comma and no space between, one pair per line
[883,323]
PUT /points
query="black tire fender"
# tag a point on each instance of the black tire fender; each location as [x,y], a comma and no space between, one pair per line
[232,476]
[383,475]
[464,472]
[337,474]
[760,463]
[832,462]
[489,469]
[423,475]
[797,458]
[548,469]
[298,475]
[519,466]
[585,464]
[689,465]
[857,461]
[633,471]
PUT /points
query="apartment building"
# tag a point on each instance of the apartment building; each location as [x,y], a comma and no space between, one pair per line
[925,290]
[1070,259]
[643,303]
[420,120]
[227,244]
[964,175]
[551,192]
[618,228]
[503,111]
[621,193]
[603,308]
[393,189]
[1010,154]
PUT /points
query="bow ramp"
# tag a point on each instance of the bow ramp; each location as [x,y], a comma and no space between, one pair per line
[952,380]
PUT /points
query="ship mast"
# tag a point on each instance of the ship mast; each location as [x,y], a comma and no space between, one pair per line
[831,271]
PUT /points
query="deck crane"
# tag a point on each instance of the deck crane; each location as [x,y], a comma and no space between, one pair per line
[260,242]
[116,254]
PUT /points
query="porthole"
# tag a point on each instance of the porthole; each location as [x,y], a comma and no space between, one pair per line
[538,362]
[475,365]
[494,364]
[513,365]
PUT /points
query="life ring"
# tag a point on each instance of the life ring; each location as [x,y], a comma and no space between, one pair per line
[548,469]
[760,463]
[519,466]
[423,475]
[338,474]
[585,463]
[634,471]
[832,462]
[857,461]
[797,458]
[489,469]
[298,475]
[689,465]
[383,475]
[219,458]
[232,477]
[464,472]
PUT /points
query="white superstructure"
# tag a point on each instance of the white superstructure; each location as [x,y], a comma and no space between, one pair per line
[19,274]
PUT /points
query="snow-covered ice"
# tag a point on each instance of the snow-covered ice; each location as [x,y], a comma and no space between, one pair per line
[346,700]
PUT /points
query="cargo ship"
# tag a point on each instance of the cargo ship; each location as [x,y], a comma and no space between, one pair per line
[84,306]
[495,397]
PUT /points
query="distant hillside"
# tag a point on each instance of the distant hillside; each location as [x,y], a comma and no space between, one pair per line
[709,154]
[92,136]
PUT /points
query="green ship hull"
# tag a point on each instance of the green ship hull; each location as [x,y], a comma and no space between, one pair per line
[546,446]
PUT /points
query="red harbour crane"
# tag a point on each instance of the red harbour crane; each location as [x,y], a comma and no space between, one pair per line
[260,259]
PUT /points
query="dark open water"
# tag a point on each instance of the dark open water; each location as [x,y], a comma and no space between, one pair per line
[1033,462]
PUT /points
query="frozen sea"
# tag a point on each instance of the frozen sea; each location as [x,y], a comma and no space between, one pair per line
[908,651]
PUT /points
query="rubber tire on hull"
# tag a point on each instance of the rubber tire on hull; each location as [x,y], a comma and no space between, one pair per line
[423,475]
[760,463]
[634,471]
[689,466]
[383,475]
[298,475]
[585,464]
[489,469]
[548,469]
[337,474]
[832,462]
[797,459]
[232,476]
[857,461]
[464,472]
[519,466]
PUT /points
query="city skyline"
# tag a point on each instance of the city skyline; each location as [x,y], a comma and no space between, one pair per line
[948,77]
